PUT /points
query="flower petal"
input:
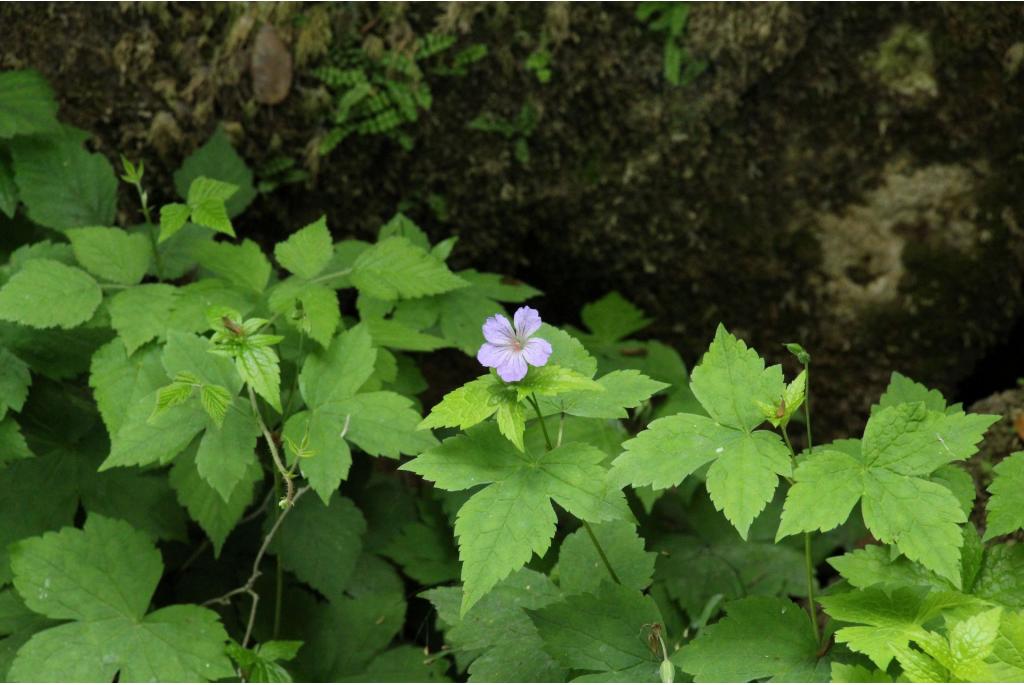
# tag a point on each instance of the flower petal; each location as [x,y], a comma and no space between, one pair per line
[493,355]
[513,368]
[498,331]
[536,351]
[527,322]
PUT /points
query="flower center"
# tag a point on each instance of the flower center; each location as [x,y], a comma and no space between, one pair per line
[517,345]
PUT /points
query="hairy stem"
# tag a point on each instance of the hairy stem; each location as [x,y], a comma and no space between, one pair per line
[286,475]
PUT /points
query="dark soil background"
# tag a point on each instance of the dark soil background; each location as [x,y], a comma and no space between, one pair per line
[848,176]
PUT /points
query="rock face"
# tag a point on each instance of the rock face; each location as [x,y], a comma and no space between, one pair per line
[848,176]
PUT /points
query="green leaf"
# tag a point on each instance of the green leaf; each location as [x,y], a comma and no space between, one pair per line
[425,551]
[173,218]
[902,390]
[310,307]
[1006,505]
[260,368]
[141,313]
[12,443]
[383,424]
[102,579]
[403,664]
[329,463]
[889,619]
[207,200]
[186,353]
[46,293]
[398,336]
[580,568]
[498,287]
[120,381]
[852,673]
[226,454]
[8,199]
[338,372]
[501,526]
[215,401]
[551,379]
[14,382]
[402,226]
[205,505]
[515,652]
[321,544]
[602,633]
[511,422]
[759,638]
[61,184]
[623,390]
[142,440]
[218,159]
[467,406]
[307,251]
[903,443]
[613,318]
[744,470]
[244,265]
[461,314]
[395,268]
[112,254]
[27,105]
[731,379]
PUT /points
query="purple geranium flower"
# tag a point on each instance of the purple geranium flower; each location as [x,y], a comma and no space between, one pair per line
[510,349]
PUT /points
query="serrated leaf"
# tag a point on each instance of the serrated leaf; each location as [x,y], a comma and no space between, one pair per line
[244,265]
[46,293]
[330,459]
[192,354]
[102,578]
[307,251]
[742,478]
[173,218]
[112,254]
[206,202]
[760,637]
[218,159]
[1006,504]
[321,543]
[260,368]
[227,453]
[338,372]
[120,381]
[215,401]
[551,379]
[581,569]
[399,336]
[382,424]
[613,318]
[142,440]
[501,526]
[395,268]
[140,314]
[310,307]
[602,633]
[214,515]
[498,287]
[27,105]
[14,382]
[626,389]
[467,406]
[902,390]
[62,185]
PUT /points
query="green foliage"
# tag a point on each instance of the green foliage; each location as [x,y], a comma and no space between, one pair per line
[680,68]
[1006,504]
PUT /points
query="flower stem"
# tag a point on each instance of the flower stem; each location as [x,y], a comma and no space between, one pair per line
[600,553]
[543,426]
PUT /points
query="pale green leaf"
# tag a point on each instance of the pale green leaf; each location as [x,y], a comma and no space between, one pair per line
[112,254]
[206,200]
[396,268]
[307,251]
[260,368]
[173,218]
[467,406]
[192,354]
[903,390]
[498,287]
[46,293]
[551,379]
[141,440]
[626,389]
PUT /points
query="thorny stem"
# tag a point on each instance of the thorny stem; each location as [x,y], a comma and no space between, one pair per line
[590,531]
[286,475]
[247,587]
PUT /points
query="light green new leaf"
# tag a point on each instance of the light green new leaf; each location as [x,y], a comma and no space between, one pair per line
[61,184]
[321,543]
[141,313]
[218,159]
[261,369]
[206,200]
[102,578]
[731,379]
[467,406]
[112,254]
[503,525]
[602,633]
[1006,505]
[205,506]
[46,293]
[244,265]
[623,390]
[173,218]
[396,268]
[580,568]
[759,638]
[192,354]
[27,105]
[338,372]
[307,251]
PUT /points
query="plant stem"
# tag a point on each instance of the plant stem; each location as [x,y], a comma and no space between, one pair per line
[812,610]
[286,475]
[543,426]
[590,531]
[600,553]
[807,408]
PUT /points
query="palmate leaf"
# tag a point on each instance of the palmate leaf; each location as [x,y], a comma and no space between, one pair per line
[888,473]
[745,464]
[503,525]
[102,579]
